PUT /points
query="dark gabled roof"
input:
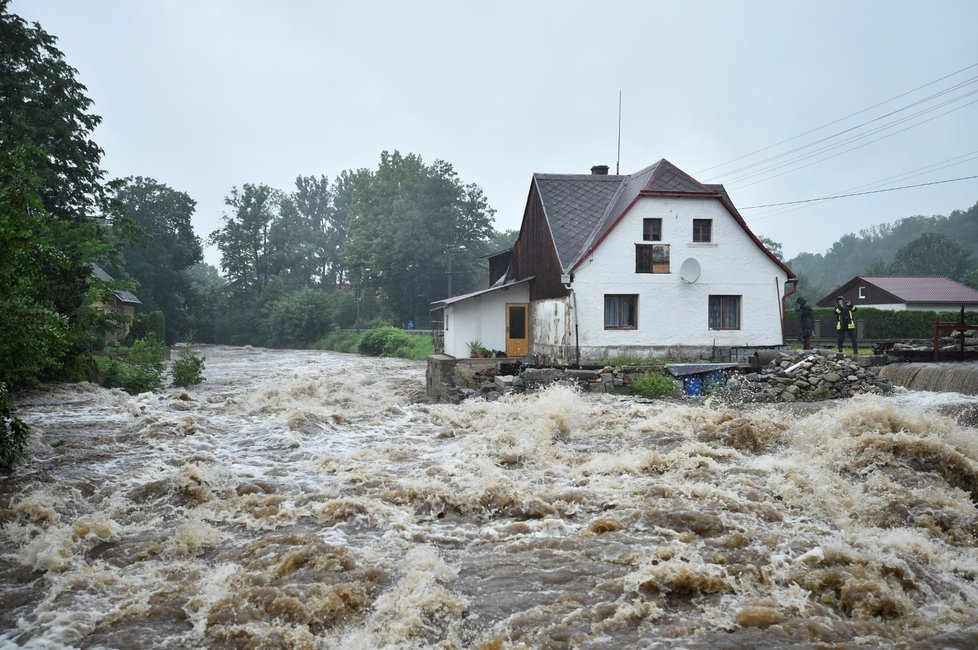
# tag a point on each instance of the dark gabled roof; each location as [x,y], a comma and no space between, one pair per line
[581,209]
[122,295]
[913,289]
[573,204]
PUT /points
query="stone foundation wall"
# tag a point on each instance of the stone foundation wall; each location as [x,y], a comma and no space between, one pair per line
[453,380]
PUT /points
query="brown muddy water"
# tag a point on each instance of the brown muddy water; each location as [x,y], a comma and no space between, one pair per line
[312,500]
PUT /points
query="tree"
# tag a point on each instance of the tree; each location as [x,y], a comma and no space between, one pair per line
[35,334]
[933,254]
[52,176]
[313,202]
[244,241]
[299,319]
[404,221]
[167,248]
[773,246]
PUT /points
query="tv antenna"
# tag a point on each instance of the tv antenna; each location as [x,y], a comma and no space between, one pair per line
[618,159]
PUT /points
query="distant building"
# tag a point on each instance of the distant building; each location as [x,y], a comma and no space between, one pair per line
[903,292]
[121,303]
[653,263]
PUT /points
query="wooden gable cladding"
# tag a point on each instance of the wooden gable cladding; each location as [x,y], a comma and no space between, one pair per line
[534,254]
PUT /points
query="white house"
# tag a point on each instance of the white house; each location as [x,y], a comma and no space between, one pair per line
[648,264]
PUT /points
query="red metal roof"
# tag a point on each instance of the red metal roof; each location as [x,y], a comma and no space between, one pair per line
[923,288]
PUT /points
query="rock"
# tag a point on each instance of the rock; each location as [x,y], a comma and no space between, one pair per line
[540,376]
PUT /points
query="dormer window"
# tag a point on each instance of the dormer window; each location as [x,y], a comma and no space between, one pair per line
[652,229]
[702,231]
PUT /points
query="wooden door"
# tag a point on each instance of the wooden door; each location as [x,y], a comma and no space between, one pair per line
[517,338]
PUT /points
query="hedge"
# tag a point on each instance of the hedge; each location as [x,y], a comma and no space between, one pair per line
[883,323]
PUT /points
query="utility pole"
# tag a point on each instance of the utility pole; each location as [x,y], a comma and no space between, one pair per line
[452,248]
[449,272]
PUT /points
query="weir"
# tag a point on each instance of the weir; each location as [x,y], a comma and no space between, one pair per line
[941,377]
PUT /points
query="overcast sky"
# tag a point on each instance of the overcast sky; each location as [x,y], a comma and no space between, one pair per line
[204,95]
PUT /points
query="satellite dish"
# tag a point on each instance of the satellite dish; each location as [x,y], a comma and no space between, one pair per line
[690,270]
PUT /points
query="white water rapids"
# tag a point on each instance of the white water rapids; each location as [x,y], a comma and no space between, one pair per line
[304,499]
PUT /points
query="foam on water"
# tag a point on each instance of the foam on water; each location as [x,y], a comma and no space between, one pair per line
[312,500]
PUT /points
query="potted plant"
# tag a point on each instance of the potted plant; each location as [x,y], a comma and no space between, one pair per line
[474,348]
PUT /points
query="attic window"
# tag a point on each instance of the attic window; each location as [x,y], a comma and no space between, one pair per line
[702,231]
[651,258]
[862,293]
[652,229]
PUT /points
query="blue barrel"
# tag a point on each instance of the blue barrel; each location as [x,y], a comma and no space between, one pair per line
[693,386]
[716,380]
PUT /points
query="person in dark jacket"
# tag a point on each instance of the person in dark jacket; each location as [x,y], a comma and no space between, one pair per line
[845,322]
[807,319]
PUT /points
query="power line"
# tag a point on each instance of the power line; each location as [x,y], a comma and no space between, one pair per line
[736,182]
[841,119]
[881,183]
[842,196]
[750,166]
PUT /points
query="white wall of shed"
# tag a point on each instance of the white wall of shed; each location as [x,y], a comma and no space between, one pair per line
[481,318]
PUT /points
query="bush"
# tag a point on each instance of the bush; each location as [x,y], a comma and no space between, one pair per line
[383,341]
[188,369]
[141,372]
[13,432]
[652,384]
[34,340]
[339,341]
[299,319]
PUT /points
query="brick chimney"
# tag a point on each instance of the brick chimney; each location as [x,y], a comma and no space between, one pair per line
[599,170]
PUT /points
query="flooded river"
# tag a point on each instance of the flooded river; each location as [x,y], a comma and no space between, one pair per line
[313,500]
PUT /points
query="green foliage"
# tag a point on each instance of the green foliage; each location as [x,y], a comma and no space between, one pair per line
[933,254]
[340,341]
[246,251]
[13,432]
[147,324]
[384,342]
[188,369]
[142,371]
[391,342]
[299,319]
[653,384]
[405,218]
[878,251]
[50,194]
[884,324]
[421,348]
[167,247]
[35,337]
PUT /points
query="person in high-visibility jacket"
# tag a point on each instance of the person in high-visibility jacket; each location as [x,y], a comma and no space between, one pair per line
[845,323]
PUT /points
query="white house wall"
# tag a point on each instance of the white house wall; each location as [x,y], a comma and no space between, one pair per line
[481,318]
[672,312]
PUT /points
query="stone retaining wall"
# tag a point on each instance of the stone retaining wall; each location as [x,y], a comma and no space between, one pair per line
[776,376]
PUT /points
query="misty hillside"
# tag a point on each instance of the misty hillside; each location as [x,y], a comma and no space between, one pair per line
[916,245]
